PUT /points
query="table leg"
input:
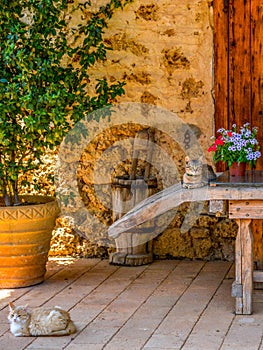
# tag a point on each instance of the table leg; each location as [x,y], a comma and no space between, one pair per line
[243,285]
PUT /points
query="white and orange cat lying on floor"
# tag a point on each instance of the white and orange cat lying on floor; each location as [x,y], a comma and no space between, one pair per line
[39,321]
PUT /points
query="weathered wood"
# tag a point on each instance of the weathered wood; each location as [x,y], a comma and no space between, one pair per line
[169,304]
[237,292]
[257,229]
[258,276]
[175,195]
[238,72]
[217,207]
[238,271]
[132,248]
[251,209]
[242,288]
[239,62]
[126,193]
[245,203]
[244,266]
[257,69]
[221,66]
[247,265]
[238,35]
[205,335]
[143,142]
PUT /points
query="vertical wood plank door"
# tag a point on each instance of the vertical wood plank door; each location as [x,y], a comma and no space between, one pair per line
[238,64]
[238,76]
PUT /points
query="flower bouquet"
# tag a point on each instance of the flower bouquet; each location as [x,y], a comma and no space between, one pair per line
[231,146]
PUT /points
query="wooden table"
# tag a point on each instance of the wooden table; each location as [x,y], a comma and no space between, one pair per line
[245,199]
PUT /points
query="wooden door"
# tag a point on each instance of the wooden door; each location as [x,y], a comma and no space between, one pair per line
[238,64]
[238,75]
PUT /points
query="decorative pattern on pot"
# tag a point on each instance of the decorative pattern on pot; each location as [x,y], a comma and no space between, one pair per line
[25,234]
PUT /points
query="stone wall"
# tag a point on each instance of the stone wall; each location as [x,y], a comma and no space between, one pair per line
[163,49]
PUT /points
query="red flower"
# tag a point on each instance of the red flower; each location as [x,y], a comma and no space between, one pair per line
[218,141]
[229,133]
[212,148]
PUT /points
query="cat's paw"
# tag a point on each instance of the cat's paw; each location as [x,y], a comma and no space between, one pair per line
[197,185]
[200,184]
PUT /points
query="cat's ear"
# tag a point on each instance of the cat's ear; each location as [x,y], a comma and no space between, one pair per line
[201,158]
[25,307]
[187,159]
[11,306]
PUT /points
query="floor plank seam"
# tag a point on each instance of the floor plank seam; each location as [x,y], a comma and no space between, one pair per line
[207,304]
[26,291]
[71,282]
[65,268]
[74,336]
[89,323]
[233,319]
[86,272]
[182,305]
[150,295]
[260,344]
[178,299]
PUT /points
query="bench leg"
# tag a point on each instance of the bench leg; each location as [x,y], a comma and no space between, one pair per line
[243,286]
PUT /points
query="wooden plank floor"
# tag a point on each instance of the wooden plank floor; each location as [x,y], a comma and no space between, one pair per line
[170,304]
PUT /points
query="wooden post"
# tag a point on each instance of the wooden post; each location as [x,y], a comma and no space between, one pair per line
[243,212]
[243,285]
[247,265]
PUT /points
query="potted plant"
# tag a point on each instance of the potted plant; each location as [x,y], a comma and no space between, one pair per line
[42,96]
[236,148]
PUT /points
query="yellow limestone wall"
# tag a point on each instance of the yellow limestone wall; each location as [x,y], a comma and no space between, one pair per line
[163,49]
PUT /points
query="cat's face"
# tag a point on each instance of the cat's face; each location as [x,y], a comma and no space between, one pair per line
[18,314]
[193,166]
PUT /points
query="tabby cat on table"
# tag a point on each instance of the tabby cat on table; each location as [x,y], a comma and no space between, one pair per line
[197,174]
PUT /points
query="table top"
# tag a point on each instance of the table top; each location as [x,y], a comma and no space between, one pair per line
[252,178]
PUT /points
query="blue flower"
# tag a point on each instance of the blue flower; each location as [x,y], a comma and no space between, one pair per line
[250,156]
[237,136]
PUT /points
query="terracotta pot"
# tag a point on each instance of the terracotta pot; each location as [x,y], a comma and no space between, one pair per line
[25,234]
[237,169]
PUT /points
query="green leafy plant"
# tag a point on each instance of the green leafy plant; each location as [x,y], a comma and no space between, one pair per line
[232,146]
[44,80]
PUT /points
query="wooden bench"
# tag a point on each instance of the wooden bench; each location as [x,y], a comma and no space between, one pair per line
[245,199]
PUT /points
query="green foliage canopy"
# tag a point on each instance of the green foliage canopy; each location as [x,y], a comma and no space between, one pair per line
[42,93]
